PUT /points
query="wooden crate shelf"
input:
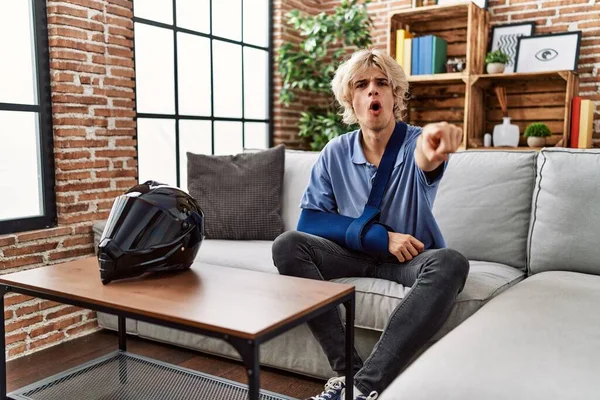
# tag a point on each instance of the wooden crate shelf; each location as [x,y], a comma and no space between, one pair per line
[531,97]
[467,99]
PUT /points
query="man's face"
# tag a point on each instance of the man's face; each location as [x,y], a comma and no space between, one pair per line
[372,99]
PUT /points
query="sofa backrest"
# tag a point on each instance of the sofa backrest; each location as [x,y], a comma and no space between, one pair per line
[565,226]
[483,204]
[298,165]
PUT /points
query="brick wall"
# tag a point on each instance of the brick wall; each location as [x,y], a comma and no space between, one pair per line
[91,71]
[551,16]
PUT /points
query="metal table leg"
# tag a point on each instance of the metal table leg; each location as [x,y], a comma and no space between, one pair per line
[3,291]
[349,305]
[249,351]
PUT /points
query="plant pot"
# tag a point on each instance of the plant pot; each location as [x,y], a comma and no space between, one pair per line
[495,68]
[536,141]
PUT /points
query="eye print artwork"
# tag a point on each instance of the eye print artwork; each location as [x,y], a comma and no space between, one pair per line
[546,54]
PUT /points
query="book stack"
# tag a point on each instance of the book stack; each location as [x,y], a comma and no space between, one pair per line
[421,55]
[582,119]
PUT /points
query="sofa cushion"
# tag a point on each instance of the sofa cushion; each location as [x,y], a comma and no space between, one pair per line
[241,195]
[538,340]
[376,299]
[244,254]
[483,204]
[298,165]
[566,212]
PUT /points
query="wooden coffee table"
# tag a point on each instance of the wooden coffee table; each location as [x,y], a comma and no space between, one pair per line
[245,308]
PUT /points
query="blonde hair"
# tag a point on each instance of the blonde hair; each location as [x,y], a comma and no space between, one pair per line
[358,62]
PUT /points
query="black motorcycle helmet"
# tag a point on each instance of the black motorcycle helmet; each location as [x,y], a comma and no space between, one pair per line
[152,227]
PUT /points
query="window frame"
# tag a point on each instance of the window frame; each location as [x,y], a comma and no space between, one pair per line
[176,116]
[44,109]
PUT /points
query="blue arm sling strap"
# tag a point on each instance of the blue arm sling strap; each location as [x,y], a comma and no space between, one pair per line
[360,234]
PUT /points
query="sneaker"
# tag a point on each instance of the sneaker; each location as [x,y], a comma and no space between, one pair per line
[372,396]
[334,390]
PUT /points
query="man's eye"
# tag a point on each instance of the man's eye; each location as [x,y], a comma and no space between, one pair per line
[361,85]
[383,83]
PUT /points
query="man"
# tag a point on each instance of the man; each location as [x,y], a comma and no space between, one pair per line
[371,88]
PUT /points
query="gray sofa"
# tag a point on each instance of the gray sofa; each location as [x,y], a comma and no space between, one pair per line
[484,208]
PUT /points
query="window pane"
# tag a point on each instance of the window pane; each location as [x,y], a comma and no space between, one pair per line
[195,137]
[156,150]
[19,153]
[17,67]
[256,135]
[256,22]
[227,79]
[255,83]
[228,138]
[155,10]
[155,81]
[193,64]
[227,19]
[194,15]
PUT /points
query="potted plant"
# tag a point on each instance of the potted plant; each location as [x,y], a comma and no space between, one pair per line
[496,61]
[309,66]
[536,134]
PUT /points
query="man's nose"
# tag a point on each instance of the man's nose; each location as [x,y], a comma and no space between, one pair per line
[373,90]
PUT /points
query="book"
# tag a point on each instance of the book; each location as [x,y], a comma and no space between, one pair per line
[425,53]
[586,121]
[407,57]
[575,115]
[415,56]
[401,34]
[439,57]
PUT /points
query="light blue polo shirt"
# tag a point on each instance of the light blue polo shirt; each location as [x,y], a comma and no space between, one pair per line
[341,181]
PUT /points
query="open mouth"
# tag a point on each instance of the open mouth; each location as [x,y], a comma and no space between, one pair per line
[375,106]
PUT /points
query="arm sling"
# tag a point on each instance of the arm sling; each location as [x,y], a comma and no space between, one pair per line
[363,233]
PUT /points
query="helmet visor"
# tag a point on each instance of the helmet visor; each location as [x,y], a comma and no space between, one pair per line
[134,223]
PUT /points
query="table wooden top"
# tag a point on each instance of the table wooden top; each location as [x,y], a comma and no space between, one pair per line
[242,303]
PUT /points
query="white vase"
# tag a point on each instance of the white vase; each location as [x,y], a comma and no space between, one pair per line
[534,141]
[495,68]
[506,134]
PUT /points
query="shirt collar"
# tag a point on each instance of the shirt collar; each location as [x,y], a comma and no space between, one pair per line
[358,155]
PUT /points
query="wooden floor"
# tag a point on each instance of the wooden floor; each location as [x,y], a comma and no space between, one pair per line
[44,363]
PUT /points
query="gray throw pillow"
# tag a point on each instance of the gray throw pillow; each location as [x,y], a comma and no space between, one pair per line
[241,195]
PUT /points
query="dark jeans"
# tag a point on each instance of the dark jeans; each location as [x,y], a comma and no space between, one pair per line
[435,277]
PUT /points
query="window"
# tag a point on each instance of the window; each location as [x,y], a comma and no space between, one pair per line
[203,76]
[27,198]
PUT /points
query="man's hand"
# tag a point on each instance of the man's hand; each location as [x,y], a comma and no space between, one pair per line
[435,143]
[404,247]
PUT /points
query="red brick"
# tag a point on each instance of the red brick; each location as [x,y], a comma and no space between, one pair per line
[19,337]
[76,143]
[73,208]
[65,323]
[73,176]
[7,240]
[125,142]
[11,300]
[55,337]
[84,229]
[65,98]
[8,314]
[123,3]
[42,330]
[115,132]
[73,155]
[67,88]
[67,109]
[128,83]
[66,32]
[119,173]
[120,52]
[67,132]
[88,326]
[96,5]
[16,350]
[66,10]
[72,44]
[21,261]
[76,241]
[124,123]
[74,22]
[45,234]
[125,184]
[127,73]
[118,31]
[100,195]
[77,67]
[67,55]
[73,219]
[77,187]
[70,166]
[21,323]
[117,10]
[46,304]
[38,248]
[113,112]
[62,312]
[116,153]
[63,77]
[123,22]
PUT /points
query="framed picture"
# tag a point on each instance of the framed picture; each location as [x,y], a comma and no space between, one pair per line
[480,3]
[505,38]
[552,52]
